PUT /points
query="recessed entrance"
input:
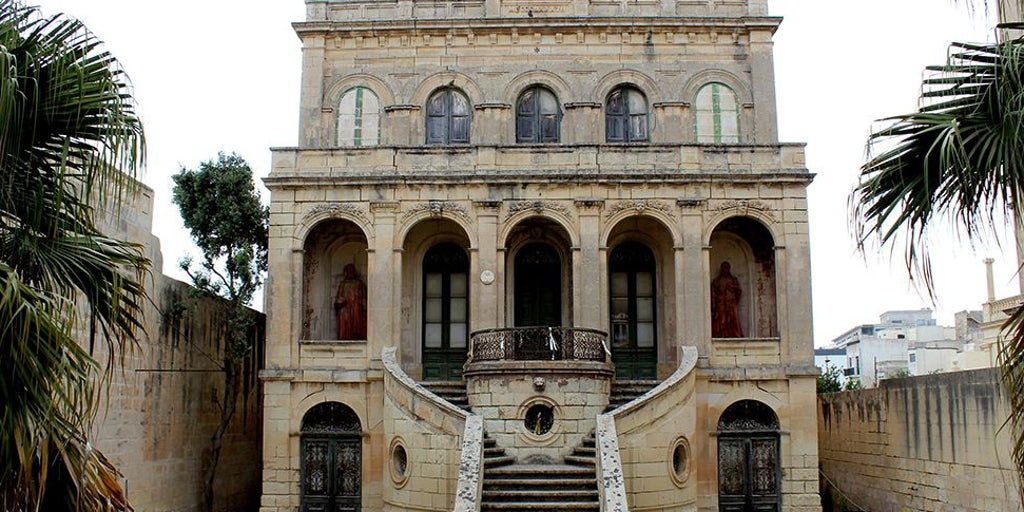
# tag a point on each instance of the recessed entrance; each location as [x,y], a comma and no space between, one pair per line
[748,458]
[331,469]
[538,287]
[633,312]
[445,312]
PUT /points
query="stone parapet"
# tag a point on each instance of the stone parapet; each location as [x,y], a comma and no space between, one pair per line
[593,163]
[653,435]
[424,436]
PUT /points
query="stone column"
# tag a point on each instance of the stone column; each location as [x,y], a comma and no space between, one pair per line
[588,284]
[669,116]
[582,123]
[382,280]
[398,126]
[491,123]
[692,280]
[762,75]
[484,295]
[311,93]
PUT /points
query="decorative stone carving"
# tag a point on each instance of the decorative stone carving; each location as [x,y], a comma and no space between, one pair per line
[438,208]
[745,204]
[690,203]
[638,206]
[334,209]
[536,206]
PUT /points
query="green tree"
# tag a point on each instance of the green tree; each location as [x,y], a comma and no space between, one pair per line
[960,157]
[70,146]
[221,208]
[828,379]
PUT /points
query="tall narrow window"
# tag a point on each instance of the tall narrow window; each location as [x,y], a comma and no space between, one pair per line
[445,311]
[718,115]
[448,117]
[537,116]
[359,118]
[633,311]
[626,116]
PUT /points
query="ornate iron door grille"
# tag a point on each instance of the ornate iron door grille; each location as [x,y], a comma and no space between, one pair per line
[331,474]
[748,473]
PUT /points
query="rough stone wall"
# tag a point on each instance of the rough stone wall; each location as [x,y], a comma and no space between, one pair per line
[156,417]
[929,443]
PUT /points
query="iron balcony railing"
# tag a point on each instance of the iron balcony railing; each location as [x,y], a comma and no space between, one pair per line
[539,344]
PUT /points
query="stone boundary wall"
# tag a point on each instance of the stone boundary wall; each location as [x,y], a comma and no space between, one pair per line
[928,443]
[430,430]
[647,430]
[155,420]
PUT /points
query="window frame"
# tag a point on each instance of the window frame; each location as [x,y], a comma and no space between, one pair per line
[716,113]
[360,116]
[635,127]
[536,118]
[449,123]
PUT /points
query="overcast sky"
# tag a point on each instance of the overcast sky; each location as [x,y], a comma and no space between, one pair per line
[218,75]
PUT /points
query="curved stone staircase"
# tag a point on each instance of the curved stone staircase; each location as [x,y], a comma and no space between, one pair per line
[509,486]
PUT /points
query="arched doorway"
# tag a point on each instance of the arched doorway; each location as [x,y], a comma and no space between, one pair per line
[331,459]
[538,286]
[748,458]
[445,311]
[633,311]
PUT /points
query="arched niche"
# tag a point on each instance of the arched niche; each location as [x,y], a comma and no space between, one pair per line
[742,280]
[640,271]
[334,266]
[435,248]
[538,270]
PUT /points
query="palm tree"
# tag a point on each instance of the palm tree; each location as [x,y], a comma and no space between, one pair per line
[67,131]
[960,157]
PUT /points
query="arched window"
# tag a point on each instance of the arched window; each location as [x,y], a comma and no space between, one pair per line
[448,117]
[359,118]
[537,116]
[626,116]
[718,115]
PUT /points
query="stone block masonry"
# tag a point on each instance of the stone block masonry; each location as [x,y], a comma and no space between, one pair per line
[929,443]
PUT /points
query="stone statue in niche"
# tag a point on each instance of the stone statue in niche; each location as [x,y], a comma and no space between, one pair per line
[350,305]
[725,304]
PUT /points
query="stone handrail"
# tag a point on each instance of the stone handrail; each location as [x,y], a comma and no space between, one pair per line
[471,468]
[394,376]
[609,463]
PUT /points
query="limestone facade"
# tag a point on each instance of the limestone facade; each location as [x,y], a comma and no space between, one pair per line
[575,165]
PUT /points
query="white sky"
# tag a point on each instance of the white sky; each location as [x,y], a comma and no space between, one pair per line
[224,75]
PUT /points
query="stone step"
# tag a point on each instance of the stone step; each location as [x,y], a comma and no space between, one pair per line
[500,461]
[538,471]
[493,451]
[535,483]
[540,495]
[585,451]
[580,461]
[546,506]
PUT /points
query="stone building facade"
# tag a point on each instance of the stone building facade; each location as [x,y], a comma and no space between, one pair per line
[539,244]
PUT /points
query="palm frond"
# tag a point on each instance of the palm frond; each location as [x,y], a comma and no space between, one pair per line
[959,157]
